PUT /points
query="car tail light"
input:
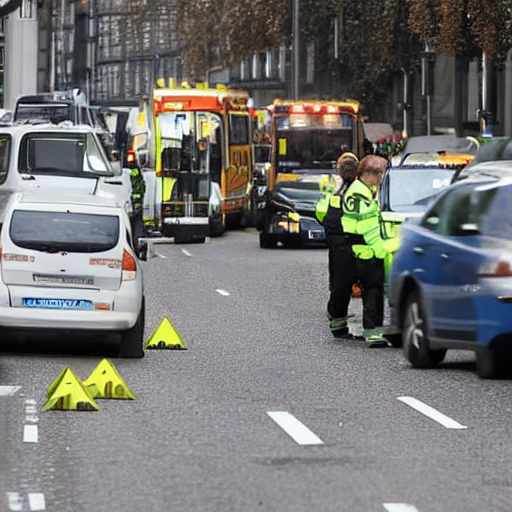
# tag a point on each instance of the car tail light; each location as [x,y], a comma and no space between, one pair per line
[496,269]
[130,156]
[129,267]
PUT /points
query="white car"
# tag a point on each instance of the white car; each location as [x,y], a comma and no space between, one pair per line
[68,264]
[65,156]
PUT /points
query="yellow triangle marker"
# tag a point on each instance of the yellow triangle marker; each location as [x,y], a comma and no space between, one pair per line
[165,337]
[67,393]
[105,382]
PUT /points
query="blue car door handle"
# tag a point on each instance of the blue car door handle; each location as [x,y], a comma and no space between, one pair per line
[445,256]
[418,250]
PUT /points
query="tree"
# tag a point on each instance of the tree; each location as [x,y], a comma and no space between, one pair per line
[376,43]
[465,28]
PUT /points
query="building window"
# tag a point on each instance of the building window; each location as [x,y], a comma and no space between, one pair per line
[310,63]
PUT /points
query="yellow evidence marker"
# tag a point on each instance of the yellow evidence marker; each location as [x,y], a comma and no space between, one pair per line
[105,382]
[67,393]
[165,337]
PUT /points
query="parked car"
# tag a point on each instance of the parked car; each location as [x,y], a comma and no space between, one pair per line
[68,265]
[499,150]
[451,279]
[439,144]
[409,189]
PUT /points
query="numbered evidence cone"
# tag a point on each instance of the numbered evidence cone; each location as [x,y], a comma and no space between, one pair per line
[105,382]
[165,337]
[67,393]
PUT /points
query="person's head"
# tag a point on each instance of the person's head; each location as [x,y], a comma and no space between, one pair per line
[370,170]
[346,156]
[347,169]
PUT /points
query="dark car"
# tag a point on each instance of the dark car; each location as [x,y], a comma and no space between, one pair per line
[289,212]
[439,144]
[499,150]
[451,279]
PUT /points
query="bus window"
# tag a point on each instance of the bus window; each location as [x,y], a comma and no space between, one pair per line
[238,129]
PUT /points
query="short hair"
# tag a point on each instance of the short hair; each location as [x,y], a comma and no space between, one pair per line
[348,170]
[347,156]
[371,164]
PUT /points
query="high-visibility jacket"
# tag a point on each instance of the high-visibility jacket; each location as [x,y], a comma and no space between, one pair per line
[321,207]
[331,186]
[362,220]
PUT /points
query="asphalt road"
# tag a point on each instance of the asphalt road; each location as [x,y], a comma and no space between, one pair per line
[265,411]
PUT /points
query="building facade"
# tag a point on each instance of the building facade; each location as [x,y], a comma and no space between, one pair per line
[116,55]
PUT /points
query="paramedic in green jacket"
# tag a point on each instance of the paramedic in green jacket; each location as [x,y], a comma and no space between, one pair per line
[362,224]
[328,213]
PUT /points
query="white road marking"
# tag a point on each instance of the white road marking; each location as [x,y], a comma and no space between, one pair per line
[15,502]
[159,255]
[30,434]
[36,501]
[222,292]
[8,390]
[294,428]
[431,412]
[400,507]
[186,253]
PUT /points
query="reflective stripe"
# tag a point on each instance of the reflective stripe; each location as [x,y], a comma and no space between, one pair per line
[362,216]
[335,201]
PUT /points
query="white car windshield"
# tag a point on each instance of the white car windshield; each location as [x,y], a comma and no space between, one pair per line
[63,154]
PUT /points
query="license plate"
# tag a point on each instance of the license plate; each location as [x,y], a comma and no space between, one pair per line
[56,279]
[57,303]
[316,234]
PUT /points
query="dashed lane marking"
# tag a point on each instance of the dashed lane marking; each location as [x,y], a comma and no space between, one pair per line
[400,507]
[8,390]
[30,434]
[15,502]
[36,501]
[294,428]
[186,253]
[431,412]
[222,292]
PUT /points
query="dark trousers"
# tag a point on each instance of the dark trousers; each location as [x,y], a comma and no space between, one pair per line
[344,271]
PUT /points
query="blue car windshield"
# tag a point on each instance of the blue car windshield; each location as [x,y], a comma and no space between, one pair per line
[412,190]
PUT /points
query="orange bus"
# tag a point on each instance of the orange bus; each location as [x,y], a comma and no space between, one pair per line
[202,159]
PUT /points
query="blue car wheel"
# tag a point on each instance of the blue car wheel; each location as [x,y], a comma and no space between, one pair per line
[414,336]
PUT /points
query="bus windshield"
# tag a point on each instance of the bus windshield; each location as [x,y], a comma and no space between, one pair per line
[312,141]
[197,136]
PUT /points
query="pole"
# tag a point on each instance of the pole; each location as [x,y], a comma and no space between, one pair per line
[406,104]
[428,59]
[295,49]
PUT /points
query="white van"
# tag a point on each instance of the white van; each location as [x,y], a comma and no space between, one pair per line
[50,157]
[67,264]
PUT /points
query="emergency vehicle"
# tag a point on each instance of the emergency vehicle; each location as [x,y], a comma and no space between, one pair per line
[307,139]
[201,153]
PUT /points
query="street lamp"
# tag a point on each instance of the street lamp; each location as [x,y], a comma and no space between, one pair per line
[428,60]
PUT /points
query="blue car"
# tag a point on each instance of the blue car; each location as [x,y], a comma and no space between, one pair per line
[451,279]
